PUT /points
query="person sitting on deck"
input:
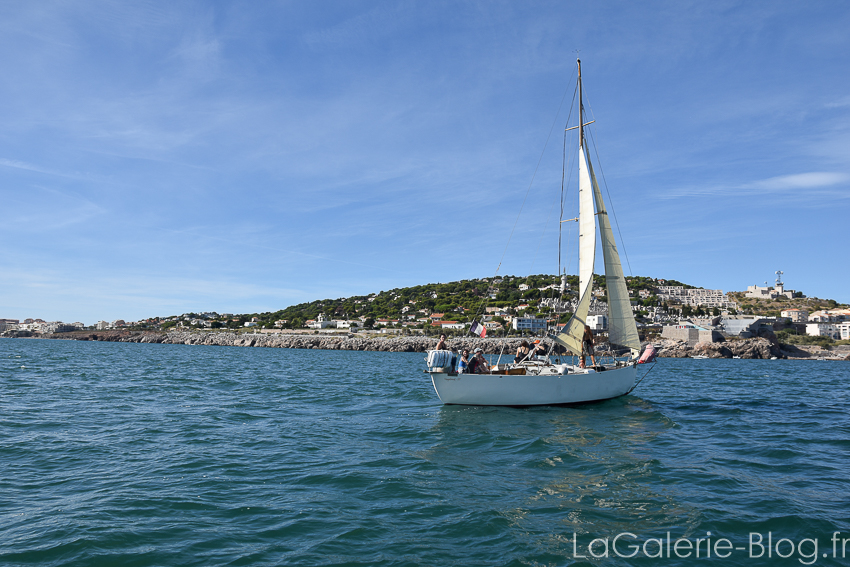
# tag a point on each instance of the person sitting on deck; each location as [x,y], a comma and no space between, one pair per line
[522,352]
[478,365]
[442,344]
[587,347]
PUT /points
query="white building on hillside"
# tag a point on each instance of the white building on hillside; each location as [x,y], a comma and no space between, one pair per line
[532,324]
[759,292]
[695,297]
[823,330]
[796,315]
[597,322]
[321,322]
[830,315]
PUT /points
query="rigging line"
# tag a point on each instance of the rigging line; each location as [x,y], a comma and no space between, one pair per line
[522,206]
[561,215]
[563,173]
[561,210]
[482,305]
[651,368]
[572,168]
[498,360]
[527,191]
[542,235]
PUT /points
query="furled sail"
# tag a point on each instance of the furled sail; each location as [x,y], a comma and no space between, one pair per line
[571,335]
[621,321]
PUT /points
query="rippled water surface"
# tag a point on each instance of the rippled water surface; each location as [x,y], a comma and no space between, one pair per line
[134,454]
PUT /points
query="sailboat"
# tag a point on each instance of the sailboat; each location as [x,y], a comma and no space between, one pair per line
[551,381]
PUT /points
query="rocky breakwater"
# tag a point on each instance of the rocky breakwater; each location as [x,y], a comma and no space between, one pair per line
[759,347]
[327,342]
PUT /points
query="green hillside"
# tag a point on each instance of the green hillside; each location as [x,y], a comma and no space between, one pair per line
[459,301]
[773,307]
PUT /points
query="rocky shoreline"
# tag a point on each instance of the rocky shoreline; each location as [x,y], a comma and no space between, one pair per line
[326,342]
[755,348]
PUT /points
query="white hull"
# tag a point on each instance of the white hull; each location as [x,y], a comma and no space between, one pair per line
[533,390]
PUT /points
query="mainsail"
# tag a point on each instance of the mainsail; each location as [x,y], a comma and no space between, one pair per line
[571,335]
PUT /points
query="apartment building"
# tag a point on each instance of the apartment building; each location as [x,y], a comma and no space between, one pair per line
[796,315]
[696,297]
[830,330]
[532,324]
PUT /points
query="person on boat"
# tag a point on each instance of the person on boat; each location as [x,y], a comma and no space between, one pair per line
[587,347]
[463,363]
[472,367]
[442,344]
[522,352]
[539,349]
[478,365]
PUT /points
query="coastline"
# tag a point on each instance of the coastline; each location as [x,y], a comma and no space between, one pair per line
[755,348]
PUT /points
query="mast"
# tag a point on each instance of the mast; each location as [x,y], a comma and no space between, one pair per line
[587,220]
[572,333]
[580,109]
[622,330]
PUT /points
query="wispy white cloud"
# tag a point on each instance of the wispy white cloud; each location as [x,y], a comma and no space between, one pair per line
[369,27]
[799,181]
[45,210]
[16,164]
[781,184]
[262,240]
[842,102]
[71,296]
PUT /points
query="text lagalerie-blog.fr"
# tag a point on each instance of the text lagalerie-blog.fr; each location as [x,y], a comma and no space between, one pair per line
[627,544]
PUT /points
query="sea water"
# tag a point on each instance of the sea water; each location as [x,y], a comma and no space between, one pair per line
[136,454]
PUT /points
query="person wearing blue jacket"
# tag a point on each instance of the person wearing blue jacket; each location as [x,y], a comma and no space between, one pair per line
[463,363]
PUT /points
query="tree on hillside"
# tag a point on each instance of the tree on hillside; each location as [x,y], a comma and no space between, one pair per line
[530,294]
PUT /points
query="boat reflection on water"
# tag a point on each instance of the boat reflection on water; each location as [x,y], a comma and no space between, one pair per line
[588,470]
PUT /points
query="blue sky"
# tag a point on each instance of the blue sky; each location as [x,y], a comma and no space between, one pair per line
[165,157]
